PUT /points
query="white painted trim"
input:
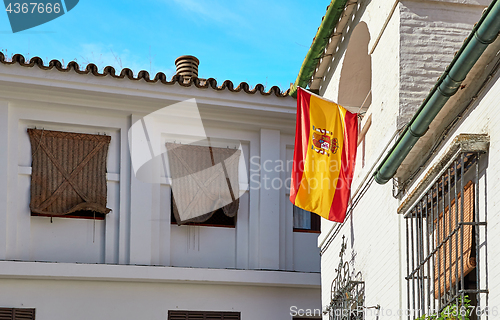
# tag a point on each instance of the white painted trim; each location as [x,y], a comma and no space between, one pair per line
[25,171]
[387,20]
[100,272]
[113,177]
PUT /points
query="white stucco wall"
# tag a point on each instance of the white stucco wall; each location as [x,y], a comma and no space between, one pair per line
[413,50]
[62,300]
[138,230]
[68,291]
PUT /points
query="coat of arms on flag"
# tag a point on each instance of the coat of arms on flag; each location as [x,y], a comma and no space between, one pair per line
[324,156]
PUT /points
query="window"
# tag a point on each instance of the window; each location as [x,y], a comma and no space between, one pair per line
[217,218]
[68,177]
[443,239]
[305,221]
[204,178]
[202,315]
[17,314]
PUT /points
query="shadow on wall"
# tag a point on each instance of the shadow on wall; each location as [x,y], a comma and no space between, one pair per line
[356,74]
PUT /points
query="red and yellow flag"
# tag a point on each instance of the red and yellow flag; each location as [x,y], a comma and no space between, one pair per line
[324,157]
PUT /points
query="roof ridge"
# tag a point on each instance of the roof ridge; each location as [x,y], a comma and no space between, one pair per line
[143,74]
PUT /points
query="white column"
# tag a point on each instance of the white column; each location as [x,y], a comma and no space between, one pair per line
[156,224]
[18,212]
[124,208]
[4,171]
[253,206]
[269,215]
[165,223]
[287,209]
[141,207]
[242,233]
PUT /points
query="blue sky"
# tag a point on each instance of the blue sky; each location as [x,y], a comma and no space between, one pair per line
[256,41]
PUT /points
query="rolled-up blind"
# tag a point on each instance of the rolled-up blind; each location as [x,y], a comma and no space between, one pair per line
[68,172]
[204,179]
[447,260]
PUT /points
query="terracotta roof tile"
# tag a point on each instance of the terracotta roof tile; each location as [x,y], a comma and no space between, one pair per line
[128,73]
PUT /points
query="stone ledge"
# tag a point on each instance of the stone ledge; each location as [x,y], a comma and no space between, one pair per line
[461,143]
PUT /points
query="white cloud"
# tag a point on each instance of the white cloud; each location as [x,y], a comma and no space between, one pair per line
[210,10]
[106,55]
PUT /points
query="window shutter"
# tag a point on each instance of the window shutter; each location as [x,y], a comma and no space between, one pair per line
[203,315]
[231,316]
[214,316]
[24,314]
[6,313]
[68,172]
[17,314]
[204,179]
[196,315]
[177,315]
[444,255]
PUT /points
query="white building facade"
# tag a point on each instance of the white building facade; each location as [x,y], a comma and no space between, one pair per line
[386,57]
[135,263]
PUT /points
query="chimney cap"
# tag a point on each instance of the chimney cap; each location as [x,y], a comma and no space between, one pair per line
[187,57]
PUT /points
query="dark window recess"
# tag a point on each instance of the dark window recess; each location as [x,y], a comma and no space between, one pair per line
[68,177]
[305,221]
[202,315]
[217,219]
[17,314]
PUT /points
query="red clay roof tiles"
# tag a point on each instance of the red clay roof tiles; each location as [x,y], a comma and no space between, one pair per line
[128,73]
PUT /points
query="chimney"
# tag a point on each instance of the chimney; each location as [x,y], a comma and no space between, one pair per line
[187,66]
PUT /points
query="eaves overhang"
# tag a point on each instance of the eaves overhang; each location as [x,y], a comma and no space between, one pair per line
[325,44]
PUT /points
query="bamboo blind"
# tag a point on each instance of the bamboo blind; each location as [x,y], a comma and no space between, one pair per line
[68,172]
[204,179]
[446,261]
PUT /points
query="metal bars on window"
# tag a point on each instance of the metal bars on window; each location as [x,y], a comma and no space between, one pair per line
[443,244]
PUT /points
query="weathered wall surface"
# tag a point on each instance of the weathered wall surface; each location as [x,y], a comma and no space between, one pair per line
[431,33]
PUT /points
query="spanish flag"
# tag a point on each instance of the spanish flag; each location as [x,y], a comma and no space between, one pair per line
[324,157]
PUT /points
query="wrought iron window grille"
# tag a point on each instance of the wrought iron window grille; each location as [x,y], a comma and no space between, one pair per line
[443,231]
[347,292]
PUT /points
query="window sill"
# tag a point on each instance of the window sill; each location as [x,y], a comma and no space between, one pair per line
[99,216]
[204,225]
[306,230]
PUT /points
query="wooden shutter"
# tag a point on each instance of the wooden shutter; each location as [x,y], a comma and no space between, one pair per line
[203,178]
[444,255]
[231,316]
[68,172]
[202,315]
[6,313]
[17,314]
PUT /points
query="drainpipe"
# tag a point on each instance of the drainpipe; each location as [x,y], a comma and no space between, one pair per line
[484,33]
[319,44]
